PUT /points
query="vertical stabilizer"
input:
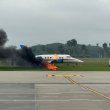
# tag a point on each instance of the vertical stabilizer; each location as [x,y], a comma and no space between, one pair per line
[21,46]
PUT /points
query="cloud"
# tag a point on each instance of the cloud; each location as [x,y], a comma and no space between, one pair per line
[42,22]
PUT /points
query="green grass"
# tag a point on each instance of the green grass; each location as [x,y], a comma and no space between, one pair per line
[87,66]
[94,59]
[90,64]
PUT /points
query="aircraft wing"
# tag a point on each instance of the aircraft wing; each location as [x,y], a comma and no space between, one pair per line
[49,61]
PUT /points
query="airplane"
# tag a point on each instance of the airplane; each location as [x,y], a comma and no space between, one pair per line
[58,58]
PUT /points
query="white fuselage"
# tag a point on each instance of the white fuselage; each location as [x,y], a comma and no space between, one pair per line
[65,58]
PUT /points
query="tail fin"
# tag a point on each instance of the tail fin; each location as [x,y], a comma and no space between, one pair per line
[21,46]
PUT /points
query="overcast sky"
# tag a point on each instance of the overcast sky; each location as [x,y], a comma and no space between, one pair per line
[33,22]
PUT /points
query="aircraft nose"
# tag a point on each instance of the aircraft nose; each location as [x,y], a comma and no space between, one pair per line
[79,61]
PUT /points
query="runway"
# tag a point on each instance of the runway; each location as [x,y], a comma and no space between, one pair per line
[54,90]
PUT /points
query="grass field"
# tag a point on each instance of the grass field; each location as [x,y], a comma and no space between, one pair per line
[90,64]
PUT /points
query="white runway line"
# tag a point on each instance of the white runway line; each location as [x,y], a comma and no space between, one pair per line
[53,100]
[49,100]
[85,100]
[17,96]
[97,100]
[52,93]
[29,100]
[49,96]
[79,99]
[51,85]
[17,100]
[16,93]
[46,87]
[74,92]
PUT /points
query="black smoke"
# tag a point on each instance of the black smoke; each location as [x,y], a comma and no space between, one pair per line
[3,37]
[25,54]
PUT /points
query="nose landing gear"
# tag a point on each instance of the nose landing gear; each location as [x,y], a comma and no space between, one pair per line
[74,65]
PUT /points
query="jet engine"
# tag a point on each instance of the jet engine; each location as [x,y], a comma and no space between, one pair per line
[57,61]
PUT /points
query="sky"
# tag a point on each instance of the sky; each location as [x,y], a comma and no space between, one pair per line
[33,22]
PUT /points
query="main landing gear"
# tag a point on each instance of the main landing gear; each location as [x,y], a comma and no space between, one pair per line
[74,65]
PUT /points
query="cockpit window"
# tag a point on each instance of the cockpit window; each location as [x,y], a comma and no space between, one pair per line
[69,57]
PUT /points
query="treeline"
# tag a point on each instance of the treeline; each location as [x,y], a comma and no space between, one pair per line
[74,49]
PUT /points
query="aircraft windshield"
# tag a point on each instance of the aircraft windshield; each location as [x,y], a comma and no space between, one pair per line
[69,57]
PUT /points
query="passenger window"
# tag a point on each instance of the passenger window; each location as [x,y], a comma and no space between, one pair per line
[62,57]
[50,57]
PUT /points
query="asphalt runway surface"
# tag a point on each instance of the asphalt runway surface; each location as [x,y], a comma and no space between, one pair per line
[54,90]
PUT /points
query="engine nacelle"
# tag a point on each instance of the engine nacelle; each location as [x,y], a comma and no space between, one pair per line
[59,60]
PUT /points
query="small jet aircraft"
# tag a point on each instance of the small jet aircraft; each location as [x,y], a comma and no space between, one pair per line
[58,58]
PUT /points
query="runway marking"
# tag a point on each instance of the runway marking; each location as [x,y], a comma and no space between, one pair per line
[54,100]
[17,96]
[17,93]
[96,100]
[45,87]
[29,100]
[64,75]
[74,92]
[86,100]
[52,93]
[48,100]
[87,88]
[49,96]
[49,85]
[79,99]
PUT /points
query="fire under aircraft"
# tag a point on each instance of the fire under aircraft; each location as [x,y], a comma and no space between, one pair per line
[58,58]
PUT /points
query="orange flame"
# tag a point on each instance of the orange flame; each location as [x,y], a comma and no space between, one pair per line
[48,66]
[56,56]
